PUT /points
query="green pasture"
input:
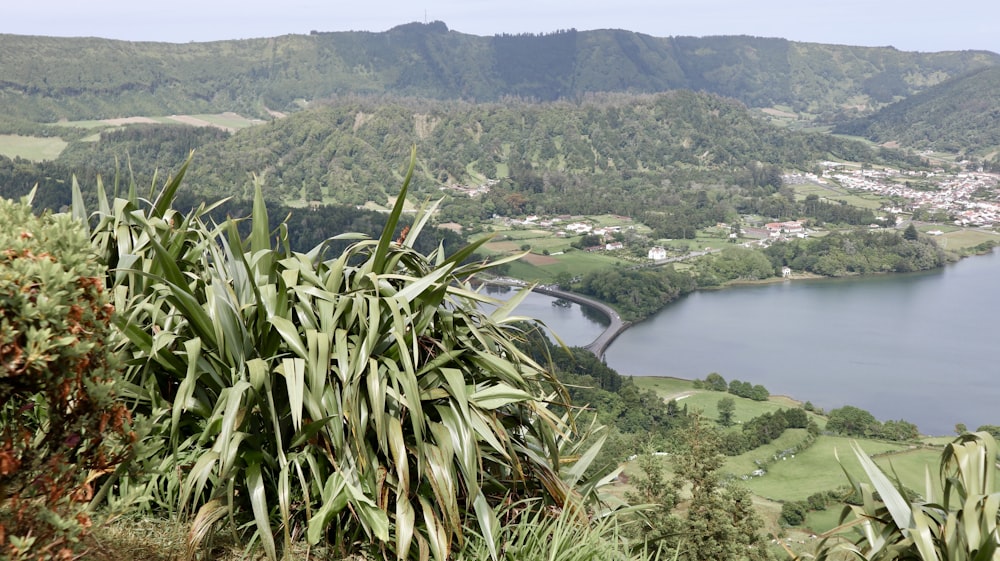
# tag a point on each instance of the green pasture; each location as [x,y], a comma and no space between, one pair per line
[575,263]
[231,120]
[552,244]
[664,386]
[702,240]
[85,124]
[507,235]
[707,401]
[861,199]
[963,238]
[820,521]
[34,148]
[746,463]
[936,440]
[816,469]
[746,409]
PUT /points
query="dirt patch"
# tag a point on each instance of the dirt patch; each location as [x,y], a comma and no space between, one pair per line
[360,119]
[540,260]
[129,121]
[275,114]
[501,247]
[779,113]
[453,226]
[424,125]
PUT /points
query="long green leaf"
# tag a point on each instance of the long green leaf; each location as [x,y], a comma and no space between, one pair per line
[382,249]
[166,197]
[258,503]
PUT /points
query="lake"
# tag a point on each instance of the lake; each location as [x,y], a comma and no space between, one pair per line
[921,347]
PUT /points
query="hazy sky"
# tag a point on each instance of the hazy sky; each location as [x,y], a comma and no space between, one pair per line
[912,25]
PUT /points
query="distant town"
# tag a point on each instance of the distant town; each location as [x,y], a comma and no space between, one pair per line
[973,198]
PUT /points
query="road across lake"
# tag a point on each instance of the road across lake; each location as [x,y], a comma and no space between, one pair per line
[615,323]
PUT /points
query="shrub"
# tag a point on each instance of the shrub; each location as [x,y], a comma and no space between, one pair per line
[365,400]
[60,425]
[793,513]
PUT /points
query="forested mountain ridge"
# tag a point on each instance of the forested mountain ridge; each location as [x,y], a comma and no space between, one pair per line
[963,113]
[618,152]
[45,79]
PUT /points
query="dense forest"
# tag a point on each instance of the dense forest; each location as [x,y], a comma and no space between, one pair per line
[98,78]
[960,114]
[676,161]
[859,252]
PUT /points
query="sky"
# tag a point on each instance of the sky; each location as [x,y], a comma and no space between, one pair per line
[909,25]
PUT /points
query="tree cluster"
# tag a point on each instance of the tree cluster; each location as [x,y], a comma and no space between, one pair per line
[763,429]
[857,252]
[637,294]
[853,421]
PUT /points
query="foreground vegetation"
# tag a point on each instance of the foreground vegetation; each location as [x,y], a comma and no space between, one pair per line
[362,403]
[304,405]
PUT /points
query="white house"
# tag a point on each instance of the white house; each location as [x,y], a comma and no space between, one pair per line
[657,253]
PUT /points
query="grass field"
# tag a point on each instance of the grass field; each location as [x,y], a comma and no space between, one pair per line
[822,520]
[835,192]
[707,401]
[816,469]
[575,262]
[665,386]
[746,463]
[224,120]
[963,238]
[34,148]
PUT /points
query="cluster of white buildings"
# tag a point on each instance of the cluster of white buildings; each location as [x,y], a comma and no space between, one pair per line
[572,229]
[471,190]
[957,194]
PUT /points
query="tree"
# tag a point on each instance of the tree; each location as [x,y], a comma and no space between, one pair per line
[726,406]
[715,382]
[564,280]
[852,421]
[910,233]
[793,513]
[721,522]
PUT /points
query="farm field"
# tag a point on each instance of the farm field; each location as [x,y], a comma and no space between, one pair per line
[706,401]
[837,193]
[228,121]
[34,148]
[816,469]
[964,238]
[544,268]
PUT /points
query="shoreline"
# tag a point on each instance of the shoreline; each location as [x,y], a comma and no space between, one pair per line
[619,329]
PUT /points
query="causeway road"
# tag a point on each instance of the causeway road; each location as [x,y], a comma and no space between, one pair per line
[615,323]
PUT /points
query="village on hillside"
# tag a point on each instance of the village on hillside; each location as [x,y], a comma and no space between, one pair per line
[973,198]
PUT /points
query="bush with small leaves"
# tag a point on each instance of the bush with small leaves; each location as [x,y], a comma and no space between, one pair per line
[60,426]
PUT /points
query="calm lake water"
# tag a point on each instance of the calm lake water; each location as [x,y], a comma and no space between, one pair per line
[574,324]
[923,347]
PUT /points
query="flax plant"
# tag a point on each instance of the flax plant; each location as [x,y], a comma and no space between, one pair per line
[954,521]
[366,399]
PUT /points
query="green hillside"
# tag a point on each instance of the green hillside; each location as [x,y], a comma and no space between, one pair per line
[960,114]
[626,154]
[46,79]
